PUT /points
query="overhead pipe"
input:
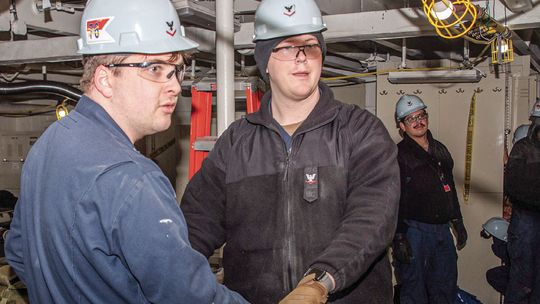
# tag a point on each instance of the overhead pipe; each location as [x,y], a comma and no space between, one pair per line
[42,87]
[225,64]
[24,109]
[403,53]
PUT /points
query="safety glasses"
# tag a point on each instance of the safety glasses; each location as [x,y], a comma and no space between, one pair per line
[291,52]
[156,71]
[416,118]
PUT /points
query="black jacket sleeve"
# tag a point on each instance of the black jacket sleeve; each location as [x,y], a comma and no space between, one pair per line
[404,173]
[203,202]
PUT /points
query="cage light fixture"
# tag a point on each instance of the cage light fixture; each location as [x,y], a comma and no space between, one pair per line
[451,18]
[502,50]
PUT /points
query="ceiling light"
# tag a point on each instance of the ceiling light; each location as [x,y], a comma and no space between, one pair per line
[434,76]
[442,10]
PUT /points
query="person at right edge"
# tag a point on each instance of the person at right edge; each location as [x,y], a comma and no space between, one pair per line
[305,191]
[425,257]
[522,185]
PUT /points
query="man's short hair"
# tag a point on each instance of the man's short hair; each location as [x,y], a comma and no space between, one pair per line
[91,63]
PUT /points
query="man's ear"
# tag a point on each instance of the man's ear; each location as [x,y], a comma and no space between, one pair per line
[402,126]
[103,80]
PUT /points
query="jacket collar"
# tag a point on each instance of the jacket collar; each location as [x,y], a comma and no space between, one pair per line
[325,111]
[415,146]
[88,108]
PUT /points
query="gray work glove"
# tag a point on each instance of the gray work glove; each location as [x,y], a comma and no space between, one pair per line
[402,249]
[459,232]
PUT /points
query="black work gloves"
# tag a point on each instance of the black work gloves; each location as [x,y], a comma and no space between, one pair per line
[459,232]
[402,249]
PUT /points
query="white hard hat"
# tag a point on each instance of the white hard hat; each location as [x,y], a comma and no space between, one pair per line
[134,26]
[536,108]
[408,104]
[520,133]
[497,227]
[283,18]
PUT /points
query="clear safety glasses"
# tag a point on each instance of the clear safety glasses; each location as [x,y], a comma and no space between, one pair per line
[291,52]
[156,71]
[416,118]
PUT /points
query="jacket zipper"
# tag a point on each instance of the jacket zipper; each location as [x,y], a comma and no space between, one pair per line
[289,256]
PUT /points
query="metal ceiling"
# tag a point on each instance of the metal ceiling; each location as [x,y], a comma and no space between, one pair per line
[360,34]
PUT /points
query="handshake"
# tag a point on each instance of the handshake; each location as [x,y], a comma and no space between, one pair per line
[308,291]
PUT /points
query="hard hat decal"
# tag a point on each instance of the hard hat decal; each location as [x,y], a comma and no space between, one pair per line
[289,10]
[96,30]
[172,30]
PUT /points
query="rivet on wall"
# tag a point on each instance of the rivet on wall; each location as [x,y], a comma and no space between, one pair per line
[400,92]
[442,91]
[460,90]
[384,92]
[497,89]
[417,92]
[478,90]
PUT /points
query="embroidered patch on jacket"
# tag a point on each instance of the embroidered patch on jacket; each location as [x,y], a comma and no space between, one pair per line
[311,184]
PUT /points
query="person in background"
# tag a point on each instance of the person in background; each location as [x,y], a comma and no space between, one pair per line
[96,221]
[304,192]
[425,257]
[522,185]
[497,227]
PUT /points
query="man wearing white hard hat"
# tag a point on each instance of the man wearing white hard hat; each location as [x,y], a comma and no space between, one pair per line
[424,252]
[96,221]
[303,192]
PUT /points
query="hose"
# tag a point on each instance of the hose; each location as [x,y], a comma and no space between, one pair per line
[41,86]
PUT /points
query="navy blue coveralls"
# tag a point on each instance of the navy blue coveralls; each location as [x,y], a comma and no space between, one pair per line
[97,222]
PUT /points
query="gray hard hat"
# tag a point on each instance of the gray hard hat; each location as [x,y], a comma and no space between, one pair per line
[408,104]
[283,18]
[535,111]
[520,133]
[497,227]
[134,26]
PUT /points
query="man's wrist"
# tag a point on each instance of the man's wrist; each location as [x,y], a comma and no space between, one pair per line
[322,277]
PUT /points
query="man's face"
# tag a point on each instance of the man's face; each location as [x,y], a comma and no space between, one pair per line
[143,106]
[415,124]
[294,73]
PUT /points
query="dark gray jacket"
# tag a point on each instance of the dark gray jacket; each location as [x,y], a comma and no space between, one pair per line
[331,203]
[522,178]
